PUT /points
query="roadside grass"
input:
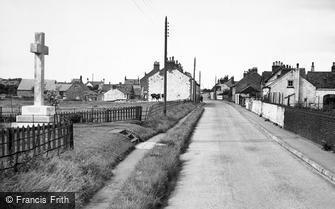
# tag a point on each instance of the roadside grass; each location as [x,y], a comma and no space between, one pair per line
[162,123]
[83,170]
[152,180]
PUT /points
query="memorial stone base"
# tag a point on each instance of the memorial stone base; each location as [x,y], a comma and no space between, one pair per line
[34,115]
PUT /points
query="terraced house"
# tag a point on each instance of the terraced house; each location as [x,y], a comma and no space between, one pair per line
[179,83]
[292,86]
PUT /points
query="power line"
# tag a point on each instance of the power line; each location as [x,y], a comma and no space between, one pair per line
[138,7]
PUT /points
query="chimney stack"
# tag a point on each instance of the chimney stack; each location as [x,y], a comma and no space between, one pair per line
[156,66]
[313,67]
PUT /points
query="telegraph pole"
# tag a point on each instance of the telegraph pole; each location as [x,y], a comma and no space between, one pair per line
[199,84]
[166,31]
[215,88]
[194,85]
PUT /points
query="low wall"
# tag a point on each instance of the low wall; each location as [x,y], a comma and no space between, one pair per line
[314,126]
[272,112]
[256,107]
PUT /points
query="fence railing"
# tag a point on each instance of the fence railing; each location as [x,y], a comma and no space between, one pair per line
[18,145]
[158,108]
[102,116]
[89,116]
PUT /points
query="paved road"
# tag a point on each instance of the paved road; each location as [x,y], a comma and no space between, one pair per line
[232,164]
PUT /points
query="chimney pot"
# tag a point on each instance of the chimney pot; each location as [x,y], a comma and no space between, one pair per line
[312,68]
[333,67]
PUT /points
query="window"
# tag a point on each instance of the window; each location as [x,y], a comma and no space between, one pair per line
[289,84]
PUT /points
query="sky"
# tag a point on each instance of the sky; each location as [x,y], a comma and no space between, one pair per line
[111,39]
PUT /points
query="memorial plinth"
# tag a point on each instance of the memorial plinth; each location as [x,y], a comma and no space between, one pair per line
[38,113]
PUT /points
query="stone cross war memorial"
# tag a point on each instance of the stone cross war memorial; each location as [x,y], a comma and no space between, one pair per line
[37,113]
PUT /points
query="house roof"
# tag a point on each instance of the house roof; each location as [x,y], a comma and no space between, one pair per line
[137,90]
[94,83]
[125,88]
[230,82]
[28,84]
[147,75]
[132,81]
[10,82]
[322,79]
[252,79]
[283,71]
[106,87]
[63,86]
[266,75]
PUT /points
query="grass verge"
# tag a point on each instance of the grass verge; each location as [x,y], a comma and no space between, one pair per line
[150,182]
[161,123]
[83,170]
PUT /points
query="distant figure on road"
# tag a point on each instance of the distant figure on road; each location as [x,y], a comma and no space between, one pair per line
[201,98]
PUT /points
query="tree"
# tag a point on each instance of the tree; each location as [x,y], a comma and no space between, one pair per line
[52,98]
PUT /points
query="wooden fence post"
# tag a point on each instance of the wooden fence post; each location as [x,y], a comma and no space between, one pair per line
[53,136]
[33,129]
[38,139]
[71,136]
[49,138]
[140,113]
[17,150]
[3,142]
[10,146]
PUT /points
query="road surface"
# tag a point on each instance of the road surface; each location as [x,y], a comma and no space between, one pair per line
[231,163]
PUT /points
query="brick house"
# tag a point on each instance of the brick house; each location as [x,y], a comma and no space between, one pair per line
[289,86]
[222,89]
[61,88]
[292,86]
[26,87]
[9,86]
[79,91]
[136,87]
[248,87]
[131,81]
[145,83]
[324,82]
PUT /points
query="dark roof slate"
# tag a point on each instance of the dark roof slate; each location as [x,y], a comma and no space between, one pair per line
[321,79]
[252,80]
